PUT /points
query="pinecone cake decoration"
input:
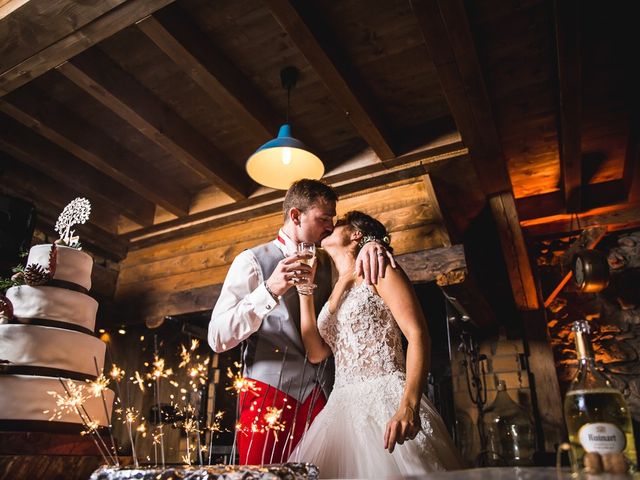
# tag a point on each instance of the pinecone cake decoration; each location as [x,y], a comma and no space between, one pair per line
[36,275]
[76,212]
[6,309]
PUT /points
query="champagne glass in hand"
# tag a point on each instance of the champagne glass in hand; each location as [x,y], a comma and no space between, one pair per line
[307,251]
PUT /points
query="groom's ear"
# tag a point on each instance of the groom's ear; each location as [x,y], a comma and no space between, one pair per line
[294,215]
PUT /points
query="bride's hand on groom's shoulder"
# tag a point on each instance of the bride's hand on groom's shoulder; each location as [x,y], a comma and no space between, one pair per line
[403,426]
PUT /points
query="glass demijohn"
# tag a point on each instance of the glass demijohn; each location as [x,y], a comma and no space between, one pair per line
[509,431]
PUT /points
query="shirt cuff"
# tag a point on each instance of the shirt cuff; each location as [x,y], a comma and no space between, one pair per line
[263,301]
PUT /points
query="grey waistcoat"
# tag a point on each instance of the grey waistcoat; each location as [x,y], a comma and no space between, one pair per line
[264,351]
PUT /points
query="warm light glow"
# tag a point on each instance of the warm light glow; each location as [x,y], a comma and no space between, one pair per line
[286,156]
[122,331]
[282,161]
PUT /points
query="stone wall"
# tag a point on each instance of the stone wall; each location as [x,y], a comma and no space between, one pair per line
[614,313]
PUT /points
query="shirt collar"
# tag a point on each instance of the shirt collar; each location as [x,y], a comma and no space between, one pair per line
[289,247]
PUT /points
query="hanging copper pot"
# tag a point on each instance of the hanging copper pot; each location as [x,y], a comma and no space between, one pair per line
[590,271]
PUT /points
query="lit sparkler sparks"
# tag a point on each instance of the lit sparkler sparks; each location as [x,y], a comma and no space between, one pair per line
[185,355]
[272,419]
[70,402]
[240,383]
[116,373]
[90,427]
[98,386]
[138,380]
[159,370]
[130,415]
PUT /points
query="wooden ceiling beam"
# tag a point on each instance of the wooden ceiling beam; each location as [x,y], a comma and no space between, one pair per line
[553,203]
[25,182]
[515,253]
[78,41]
[341,81]
[96,74]
[31,149]
[190,49]
[406,166]
[615,217]
[448,37]
[567,26]
[64,128]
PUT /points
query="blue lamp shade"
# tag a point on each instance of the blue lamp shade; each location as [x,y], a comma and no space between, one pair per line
[283,160]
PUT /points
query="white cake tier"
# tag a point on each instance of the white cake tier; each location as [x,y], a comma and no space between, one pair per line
[38,346]
[72,265]
[25,397]
[53,303]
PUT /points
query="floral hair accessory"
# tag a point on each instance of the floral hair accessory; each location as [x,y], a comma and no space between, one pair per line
[386,240]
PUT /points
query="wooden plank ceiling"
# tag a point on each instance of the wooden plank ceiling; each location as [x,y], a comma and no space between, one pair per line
[150,108]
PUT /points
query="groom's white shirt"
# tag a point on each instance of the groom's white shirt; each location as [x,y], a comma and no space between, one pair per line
[244,301]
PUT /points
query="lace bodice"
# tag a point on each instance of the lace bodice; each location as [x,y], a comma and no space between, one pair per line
[363,335]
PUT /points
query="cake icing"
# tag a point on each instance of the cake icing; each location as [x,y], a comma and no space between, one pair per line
[49,347]
[53,303]
[50,339]
[26,397]
[72,265]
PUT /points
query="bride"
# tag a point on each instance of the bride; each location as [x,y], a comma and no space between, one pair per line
[376,423]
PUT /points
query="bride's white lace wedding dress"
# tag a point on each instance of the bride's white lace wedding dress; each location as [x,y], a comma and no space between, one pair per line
[346,440]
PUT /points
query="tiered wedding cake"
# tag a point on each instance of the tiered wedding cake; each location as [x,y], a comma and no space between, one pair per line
[48,349]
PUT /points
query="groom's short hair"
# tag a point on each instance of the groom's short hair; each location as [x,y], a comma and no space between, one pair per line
[305,193]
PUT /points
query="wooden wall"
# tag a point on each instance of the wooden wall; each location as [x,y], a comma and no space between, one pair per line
[184,275]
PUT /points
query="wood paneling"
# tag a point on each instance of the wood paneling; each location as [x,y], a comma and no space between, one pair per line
[53,121]
[446,30]
[152,275]
[77,41]
[97,75]
[344,84]
[29,148]
[193,52]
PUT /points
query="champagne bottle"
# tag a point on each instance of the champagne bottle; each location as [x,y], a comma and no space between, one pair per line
[597,416]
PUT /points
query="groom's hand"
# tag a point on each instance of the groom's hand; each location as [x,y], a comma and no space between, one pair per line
[404,425]
[372,262]
[290,271]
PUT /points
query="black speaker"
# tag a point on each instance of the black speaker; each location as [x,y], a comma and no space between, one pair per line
[17,221]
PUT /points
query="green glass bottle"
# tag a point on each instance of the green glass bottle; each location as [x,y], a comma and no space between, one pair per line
[597,416]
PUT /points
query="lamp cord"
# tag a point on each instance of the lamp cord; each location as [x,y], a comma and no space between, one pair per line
[288,102]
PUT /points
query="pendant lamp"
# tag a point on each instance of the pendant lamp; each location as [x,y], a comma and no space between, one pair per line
[285,159]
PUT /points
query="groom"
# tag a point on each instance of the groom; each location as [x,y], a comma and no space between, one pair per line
[258,305]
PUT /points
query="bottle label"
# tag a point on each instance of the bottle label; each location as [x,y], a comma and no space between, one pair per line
[602,438]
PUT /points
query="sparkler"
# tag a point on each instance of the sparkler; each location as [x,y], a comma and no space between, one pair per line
[214,427]
[97,388]
[75,399]
[290,437]
[157,373]
[314,398]
[130,416]
[270,419]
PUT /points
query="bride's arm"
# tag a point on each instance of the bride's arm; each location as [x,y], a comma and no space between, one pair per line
[397,292]
[317,349]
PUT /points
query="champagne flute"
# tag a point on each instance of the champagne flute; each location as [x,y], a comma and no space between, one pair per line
[308,252]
